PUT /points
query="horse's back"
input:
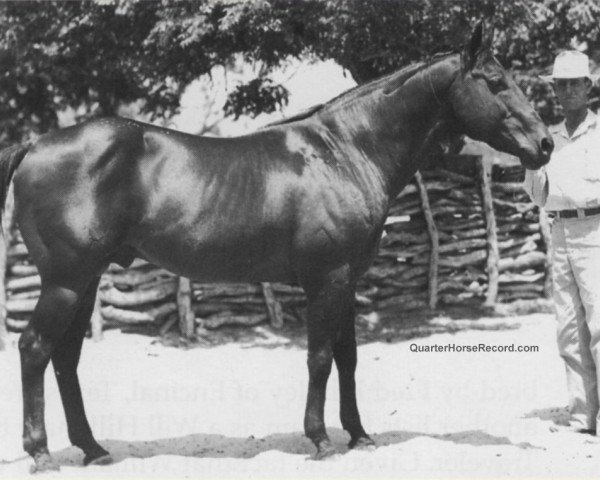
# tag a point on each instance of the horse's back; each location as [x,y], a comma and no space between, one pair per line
[251,208]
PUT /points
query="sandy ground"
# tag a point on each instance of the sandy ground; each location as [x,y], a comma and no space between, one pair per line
[236,410]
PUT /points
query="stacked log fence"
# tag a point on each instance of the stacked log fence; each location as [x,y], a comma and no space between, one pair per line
[466,235]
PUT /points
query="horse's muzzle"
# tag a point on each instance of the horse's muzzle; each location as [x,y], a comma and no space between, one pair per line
[536,158]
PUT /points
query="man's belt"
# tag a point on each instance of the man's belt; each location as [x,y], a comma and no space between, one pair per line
[576,213]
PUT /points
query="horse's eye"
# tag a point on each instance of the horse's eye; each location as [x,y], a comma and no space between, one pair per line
[496,84]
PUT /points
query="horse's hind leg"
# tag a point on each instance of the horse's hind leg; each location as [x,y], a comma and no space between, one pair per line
[52,316]
[345,356]
[65,359]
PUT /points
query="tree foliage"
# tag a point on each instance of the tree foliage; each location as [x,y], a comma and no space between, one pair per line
[96,55]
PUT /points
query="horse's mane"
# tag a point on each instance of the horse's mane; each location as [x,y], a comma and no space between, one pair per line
[391,82]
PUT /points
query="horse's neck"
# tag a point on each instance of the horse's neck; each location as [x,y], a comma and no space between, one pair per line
[394,131]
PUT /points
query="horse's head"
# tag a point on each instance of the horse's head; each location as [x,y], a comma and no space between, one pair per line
[490,107]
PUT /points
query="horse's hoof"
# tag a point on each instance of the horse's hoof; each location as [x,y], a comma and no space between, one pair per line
[362,443]
[103,460]
[98,457]
[44,463]
[325,450]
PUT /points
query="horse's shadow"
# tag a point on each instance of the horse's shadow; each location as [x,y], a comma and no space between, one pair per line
[558,415]
[219,446]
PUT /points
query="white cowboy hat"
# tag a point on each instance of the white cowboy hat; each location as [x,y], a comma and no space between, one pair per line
[571,64]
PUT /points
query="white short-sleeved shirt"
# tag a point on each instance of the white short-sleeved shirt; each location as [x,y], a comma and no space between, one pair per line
[572,177]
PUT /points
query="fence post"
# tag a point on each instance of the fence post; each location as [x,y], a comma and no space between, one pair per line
[273,306]
[493,258]
[184,307]
[434,257]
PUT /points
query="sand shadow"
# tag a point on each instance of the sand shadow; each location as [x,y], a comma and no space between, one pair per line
[220,446]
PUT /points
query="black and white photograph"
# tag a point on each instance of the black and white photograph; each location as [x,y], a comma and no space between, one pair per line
[299,239]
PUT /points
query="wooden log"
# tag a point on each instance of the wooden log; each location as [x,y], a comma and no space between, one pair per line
[273,306]
[15,325]
[447,175]
[23,283]
[137,263]
[240,299]
[422,281]
[432,185]
[151,315]
[18,250]
[205,291]
[518,227]
[527,246]
[520,207]
[466,197]
[522,262]
[362,300]
[508,187]
[226,319]
[493,251]
[24,295]
[460,224]
[464,234]
[434,255]
[135,277]
[402,302]
[510,277]
[546,233]
[23,270]
[404,238]
[284,288]
[117,298]
[523,287]
[466,244]
[515,241]
[21,305]
[456,261]
[512,296]
[184,307]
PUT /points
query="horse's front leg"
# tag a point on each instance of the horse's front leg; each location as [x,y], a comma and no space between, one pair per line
[329,300]
[345,356]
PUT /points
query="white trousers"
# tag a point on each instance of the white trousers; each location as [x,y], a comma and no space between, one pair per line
[576,284]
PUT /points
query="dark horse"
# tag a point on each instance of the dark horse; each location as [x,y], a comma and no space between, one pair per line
[300,201]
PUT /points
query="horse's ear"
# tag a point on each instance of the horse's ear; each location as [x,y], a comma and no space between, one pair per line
[469,54]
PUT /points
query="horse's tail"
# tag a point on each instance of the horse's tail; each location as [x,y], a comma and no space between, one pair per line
[10,158]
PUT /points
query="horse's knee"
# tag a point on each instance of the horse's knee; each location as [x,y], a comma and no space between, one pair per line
[319,363]
[35,353]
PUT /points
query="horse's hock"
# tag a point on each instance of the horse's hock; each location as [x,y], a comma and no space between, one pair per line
[452,237]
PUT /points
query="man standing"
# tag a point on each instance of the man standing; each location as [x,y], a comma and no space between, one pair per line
[569,190]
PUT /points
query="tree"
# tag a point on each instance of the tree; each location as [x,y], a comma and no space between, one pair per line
[95,56]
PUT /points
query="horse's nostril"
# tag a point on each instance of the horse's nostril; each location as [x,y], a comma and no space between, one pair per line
[547,145]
